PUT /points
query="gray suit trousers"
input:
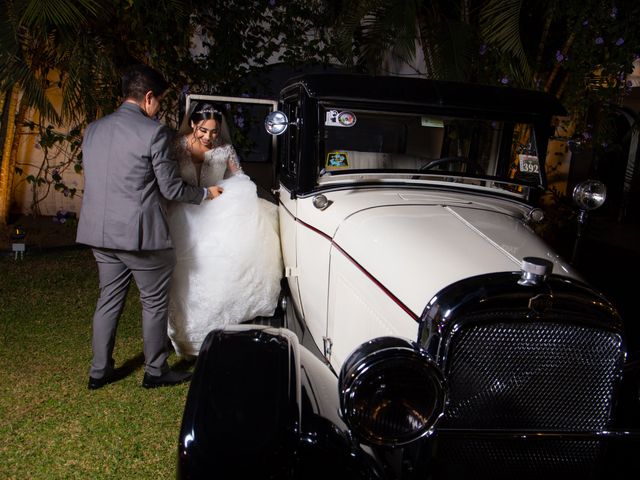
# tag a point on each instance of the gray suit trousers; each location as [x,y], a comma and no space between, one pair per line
[151,270]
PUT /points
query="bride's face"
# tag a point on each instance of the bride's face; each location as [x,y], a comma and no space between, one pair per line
[206,132]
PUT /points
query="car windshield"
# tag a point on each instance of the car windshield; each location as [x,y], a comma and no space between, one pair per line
[425,146]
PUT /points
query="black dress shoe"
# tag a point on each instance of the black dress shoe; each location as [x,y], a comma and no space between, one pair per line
[170,378]
[96,383]
[114,375]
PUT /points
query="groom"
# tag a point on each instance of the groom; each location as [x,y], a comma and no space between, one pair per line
[129,174]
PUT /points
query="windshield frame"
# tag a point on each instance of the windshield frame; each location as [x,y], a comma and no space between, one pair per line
[498,181]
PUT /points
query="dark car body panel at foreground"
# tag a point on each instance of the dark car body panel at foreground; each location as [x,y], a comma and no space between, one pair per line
[264,408]
[425,331]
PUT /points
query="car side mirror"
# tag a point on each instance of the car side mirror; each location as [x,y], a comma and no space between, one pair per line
[277,123]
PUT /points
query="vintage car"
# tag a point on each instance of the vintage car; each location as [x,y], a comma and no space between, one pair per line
[425,330]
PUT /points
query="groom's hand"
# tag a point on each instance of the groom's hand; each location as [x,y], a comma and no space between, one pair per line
[213,192]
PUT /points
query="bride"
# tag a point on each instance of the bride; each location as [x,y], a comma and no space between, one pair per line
[228,259]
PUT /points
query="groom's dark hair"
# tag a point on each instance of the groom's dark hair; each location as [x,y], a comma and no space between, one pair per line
[139,79]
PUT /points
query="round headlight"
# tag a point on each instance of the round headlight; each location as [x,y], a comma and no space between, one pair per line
[391,392]
[590,194]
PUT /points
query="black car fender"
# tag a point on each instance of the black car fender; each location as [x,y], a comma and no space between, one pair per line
[261,406]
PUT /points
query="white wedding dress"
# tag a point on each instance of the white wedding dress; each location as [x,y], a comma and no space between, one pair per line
[229,263]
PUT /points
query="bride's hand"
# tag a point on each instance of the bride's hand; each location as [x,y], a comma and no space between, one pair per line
[214,191]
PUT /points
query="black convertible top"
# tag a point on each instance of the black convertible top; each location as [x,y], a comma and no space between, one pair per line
[410,94]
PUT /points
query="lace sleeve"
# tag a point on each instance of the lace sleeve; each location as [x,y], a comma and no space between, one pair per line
[233,164]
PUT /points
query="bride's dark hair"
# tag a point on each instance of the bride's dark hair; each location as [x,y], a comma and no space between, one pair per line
[205,111]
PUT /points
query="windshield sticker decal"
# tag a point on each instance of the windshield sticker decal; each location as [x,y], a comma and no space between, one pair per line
[336,160]
[529,164]
[431,122]
[334,118]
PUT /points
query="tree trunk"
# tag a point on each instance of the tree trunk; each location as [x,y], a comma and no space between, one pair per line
[9,151]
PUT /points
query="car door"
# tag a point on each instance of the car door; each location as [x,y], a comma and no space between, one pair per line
[255,148]
[259,159]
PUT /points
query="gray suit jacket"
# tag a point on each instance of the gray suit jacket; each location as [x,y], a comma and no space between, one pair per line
[129,172]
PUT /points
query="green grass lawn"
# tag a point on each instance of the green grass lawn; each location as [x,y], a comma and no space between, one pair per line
[51,425]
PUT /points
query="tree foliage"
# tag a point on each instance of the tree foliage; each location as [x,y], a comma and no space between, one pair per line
[578,50]
[82,48]
[37,37]
[199,44]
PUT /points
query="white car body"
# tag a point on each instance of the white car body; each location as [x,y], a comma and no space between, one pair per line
[425,329]
[366,265]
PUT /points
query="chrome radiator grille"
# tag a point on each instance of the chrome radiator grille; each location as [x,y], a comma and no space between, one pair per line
[541,375]
[508,459]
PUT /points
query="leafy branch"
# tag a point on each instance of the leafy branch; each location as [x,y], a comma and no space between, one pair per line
[60,152]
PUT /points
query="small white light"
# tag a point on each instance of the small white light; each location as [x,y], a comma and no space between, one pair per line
[320,202]
[535,215]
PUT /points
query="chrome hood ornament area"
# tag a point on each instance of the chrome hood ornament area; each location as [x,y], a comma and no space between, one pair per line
[534,270]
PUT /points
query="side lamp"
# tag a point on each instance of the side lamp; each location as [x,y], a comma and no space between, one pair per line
[587,195]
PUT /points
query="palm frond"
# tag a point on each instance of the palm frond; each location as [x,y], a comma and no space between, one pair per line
[347,31]
[87,87]
[388,28]
[500,27]
[33,91]
[451,48]
[58,13]
[404,21]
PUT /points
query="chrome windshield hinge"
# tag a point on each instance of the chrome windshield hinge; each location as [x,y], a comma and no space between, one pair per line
[290,272]
[327,347]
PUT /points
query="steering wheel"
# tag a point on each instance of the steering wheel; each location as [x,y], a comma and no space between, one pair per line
[475,167]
